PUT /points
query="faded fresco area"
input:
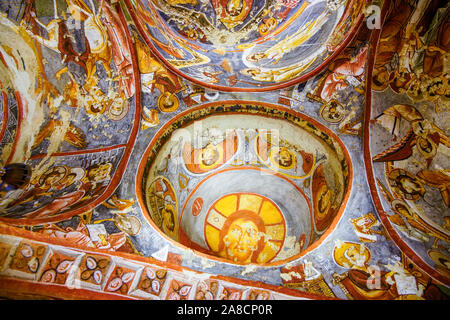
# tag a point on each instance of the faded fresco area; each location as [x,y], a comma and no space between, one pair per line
[224,150]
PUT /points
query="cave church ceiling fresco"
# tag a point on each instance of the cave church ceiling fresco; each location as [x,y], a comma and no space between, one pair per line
[224,150]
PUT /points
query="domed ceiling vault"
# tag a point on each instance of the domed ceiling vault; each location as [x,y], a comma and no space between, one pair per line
[224,150]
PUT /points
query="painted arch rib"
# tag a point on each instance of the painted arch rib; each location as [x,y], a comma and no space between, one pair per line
[405,185]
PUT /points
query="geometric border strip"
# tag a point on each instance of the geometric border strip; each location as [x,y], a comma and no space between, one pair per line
[394,235]
[36,265]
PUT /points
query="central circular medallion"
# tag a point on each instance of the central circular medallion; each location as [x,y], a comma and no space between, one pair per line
[236,227]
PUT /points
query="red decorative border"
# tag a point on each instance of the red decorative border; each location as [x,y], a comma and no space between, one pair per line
[125,157]
[315,244]
[9,286]
[78,152]
[28,286]
[401,244]
[289,83]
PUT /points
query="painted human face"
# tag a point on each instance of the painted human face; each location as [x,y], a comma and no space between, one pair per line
[284,158]
[124,223]
[409,186]
[234,7]
[382,76]
[425,145]
[354,256]
[74,11]
[210,155]
[168,217]
[324,200]
[241,240]
[168,100]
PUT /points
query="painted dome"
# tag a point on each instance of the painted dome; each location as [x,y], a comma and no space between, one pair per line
[246,45]
[244,187]
[224,149]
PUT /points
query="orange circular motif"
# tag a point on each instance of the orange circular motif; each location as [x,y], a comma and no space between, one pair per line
[197,206]
[245,228]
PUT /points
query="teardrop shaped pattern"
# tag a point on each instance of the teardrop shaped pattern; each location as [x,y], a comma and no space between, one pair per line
[64,266]
[49,276]
[91,263]
[114,284]
[97,276]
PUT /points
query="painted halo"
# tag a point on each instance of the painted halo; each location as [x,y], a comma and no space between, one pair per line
[163,206]
[332,111]
[405,184]
[351,255]
[233,223]
[283,157]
